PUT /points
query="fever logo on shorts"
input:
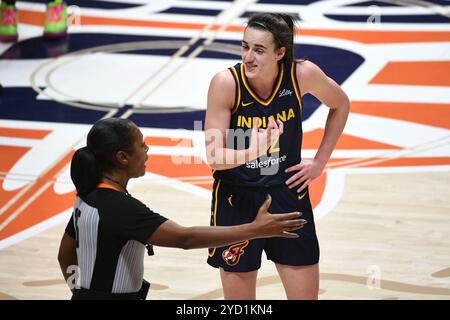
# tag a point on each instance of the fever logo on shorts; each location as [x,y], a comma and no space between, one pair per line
[233,254]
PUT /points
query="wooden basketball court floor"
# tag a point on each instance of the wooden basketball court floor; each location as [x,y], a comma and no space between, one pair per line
[381,207]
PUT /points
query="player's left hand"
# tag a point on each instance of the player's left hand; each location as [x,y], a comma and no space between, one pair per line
[307,171]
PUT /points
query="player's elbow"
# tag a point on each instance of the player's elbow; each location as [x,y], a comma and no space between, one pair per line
[212,159]
[346,102]
[212,163]
[341,105]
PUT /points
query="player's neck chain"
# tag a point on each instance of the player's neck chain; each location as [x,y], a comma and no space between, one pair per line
[118,183]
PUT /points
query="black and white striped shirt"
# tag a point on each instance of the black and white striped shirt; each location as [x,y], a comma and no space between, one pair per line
[111,229]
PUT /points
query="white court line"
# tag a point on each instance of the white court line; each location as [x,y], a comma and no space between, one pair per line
[42,189]
[110,114]
[25,204]
[63,217]
[183,189]
[18,142]
[394,154]
[237,6]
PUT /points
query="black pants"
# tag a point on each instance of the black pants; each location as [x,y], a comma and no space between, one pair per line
[86,294]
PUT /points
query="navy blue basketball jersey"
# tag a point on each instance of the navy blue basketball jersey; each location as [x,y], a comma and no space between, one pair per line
[285,104]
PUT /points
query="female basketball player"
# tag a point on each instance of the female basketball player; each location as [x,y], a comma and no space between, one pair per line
[265,91]
[106,236]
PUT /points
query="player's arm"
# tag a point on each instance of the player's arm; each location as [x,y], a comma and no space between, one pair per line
[217,121]
[67,255]
[170,234]
[314,81]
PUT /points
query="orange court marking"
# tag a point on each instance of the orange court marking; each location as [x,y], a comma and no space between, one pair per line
[23,133]
[362,36]
[415,73]
[432,114]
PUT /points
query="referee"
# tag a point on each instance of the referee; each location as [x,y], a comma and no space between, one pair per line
[102,250]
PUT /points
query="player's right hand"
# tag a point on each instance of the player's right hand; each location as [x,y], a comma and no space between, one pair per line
[262,139]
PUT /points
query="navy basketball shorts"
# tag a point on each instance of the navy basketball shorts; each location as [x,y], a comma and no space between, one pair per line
[233,205]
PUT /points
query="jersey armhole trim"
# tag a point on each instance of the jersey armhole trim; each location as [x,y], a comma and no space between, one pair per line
[237,93]
[295,84]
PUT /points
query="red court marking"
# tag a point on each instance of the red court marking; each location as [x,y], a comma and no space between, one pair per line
[23,133]
[424,113]
[417,73]
[363,36]
[312,139]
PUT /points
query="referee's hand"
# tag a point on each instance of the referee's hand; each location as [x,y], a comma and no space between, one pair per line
[277,225]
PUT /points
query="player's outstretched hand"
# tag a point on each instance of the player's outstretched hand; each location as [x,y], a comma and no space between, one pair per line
[277,225]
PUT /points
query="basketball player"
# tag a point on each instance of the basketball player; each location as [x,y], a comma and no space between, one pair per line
[265,90]
[104,241]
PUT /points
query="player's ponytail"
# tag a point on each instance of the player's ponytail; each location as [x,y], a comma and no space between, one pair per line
[104,140]
[85,171]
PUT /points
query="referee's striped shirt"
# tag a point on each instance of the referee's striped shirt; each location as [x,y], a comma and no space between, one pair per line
[111,230]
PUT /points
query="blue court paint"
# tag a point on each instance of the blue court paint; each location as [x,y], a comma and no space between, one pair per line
[40,48]
[104,5]
[21,103]
[372,3]
[410,18]
[192,11]
[248,14]
[290,2]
